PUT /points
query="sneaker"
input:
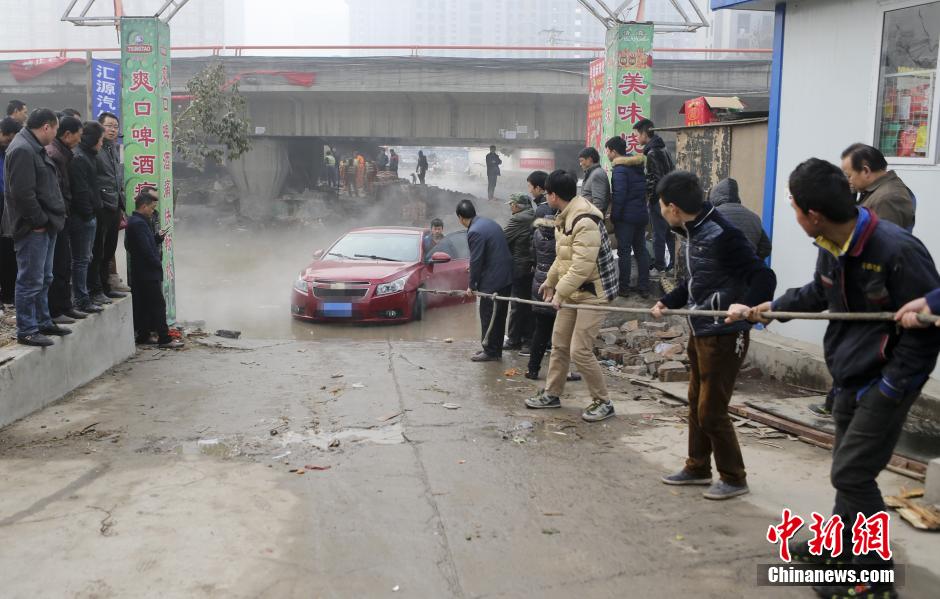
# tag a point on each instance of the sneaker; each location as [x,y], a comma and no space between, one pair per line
[101,298]
[91,308]
[597,411]
[543,400]
[532,376]
[170,344]
[63,319]
[485,357]
[115,294]
[722,490]
[525,351]
[35,340]
[820,409]
[655,273]
[76,314]
[55,330]
[684,477]
[857,591]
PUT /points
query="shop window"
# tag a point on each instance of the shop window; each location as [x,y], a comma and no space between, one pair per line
[906,125]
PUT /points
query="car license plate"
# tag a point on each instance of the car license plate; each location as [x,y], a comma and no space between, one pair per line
[337,310]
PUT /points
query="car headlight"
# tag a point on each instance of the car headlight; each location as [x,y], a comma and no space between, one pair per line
[396,286]
[300,285]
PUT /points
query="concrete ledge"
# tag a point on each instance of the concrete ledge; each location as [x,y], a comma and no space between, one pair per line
[36,377]
[803,364]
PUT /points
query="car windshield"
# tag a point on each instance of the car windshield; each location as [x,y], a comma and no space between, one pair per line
[376,246]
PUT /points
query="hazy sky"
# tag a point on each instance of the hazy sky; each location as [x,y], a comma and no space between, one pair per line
[296,22]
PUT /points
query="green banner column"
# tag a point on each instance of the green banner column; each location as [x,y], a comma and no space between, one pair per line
[148,128]
[628,81]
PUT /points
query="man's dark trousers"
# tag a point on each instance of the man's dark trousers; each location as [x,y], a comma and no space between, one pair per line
[868,425]
[491,186]
[492,336]
[60,291]
[98,270]
[663,237]
[149,310]
[7,270]
[520,315]
[541,337]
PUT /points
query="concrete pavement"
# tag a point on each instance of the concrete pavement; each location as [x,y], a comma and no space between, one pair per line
[170,477]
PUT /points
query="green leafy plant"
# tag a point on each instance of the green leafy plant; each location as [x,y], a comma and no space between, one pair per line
[214,126]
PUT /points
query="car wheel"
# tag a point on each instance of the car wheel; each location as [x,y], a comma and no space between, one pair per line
[417,310]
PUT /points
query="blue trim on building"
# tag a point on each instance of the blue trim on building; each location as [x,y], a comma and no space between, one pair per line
[719,4]
[773,123]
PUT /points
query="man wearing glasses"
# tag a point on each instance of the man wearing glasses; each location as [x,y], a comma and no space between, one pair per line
[111,189]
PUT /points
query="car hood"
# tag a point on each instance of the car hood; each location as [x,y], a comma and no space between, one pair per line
[356,270]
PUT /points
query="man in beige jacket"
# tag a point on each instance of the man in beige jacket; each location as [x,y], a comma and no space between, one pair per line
[574,279]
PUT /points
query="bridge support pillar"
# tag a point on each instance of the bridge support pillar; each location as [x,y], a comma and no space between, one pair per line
[260,175]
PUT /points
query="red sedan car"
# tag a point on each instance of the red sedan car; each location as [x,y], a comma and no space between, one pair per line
[373,274]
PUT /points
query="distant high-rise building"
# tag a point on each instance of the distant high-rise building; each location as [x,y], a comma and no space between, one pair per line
[536,23]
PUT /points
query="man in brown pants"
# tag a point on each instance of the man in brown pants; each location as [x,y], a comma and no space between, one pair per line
[724,274]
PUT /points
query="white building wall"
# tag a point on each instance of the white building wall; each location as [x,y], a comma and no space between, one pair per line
[828,101]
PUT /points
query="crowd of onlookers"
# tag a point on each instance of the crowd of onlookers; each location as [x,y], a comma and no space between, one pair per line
[356,175]
[574,249]
[62,207]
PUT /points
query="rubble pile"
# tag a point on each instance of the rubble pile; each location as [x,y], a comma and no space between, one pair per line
[649,349]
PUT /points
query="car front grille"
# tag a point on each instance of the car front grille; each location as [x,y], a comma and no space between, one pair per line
[346,293]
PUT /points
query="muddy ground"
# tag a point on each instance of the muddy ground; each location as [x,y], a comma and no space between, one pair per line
[284,468]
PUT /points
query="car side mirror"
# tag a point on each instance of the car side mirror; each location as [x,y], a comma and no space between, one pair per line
[440,258]
[318,254]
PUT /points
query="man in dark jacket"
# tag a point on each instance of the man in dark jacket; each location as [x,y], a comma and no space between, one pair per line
[492,172]
[724,196]
[864,264]
[518,233]
[111,189]
[9,127]
[86,202]
[536,182]
[629,214]
[724,274]
[879,189]
[146,272]
[60,292]
[33,215]
[490,272]
[658,164]
[543,317]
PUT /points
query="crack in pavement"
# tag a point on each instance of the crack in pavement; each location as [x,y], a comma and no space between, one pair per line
[446,564]
[69,489]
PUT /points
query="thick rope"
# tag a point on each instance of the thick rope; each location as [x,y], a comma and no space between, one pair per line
[770,315]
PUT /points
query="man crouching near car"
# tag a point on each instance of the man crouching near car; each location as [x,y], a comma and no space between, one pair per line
[574,278]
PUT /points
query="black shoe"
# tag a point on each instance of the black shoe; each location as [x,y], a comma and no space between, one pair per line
[573,377]
[63,319]
[76,314]
[513,346]
[526,351]
[101,299]
[857,591]
[35,340]
[115,294]
[55,330]
[485,357]
[91,308]
[534,376]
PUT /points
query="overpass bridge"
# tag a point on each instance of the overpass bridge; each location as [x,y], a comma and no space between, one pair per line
[420,100]
[298,104]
